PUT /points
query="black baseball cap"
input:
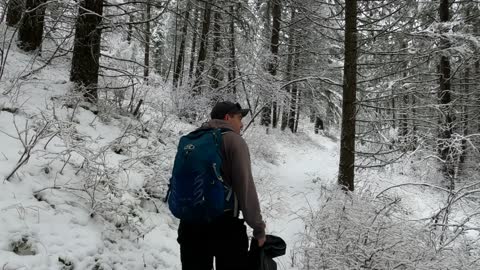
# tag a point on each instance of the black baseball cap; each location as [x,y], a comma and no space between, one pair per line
[226,107]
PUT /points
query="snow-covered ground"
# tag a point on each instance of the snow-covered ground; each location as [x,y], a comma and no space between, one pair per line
[301,170]
[38,206]
[47,216]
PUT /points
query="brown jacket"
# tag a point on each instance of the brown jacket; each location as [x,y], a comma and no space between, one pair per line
[237,172]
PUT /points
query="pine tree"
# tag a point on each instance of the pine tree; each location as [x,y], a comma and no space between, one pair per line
[15,10]
[30,32]
[272,65]
[346,172]
[86,49]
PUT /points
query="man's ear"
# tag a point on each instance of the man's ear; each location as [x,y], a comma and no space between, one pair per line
[226,117]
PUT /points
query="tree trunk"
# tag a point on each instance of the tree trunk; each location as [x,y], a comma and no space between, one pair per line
[232,74]
[146,63]
[297,115]
[346,173]
[393,108]
[130,28]
[465,112]
[294,95]
[202,52]
[272,67]
[289,74]
[181,49]
[477,72]
[15,9]
[194,43]
[86,48]
[318,124]
[404,110]
[159,51]
[329,114]
[445,97]
[293,107]
[313,115]
[30,32]
[217,74]
[477,65]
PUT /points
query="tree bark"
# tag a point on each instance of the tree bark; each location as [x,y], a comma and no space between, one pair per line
[272,66]
[181,49]
[294,95]
[232,73]
[217,74]
[465,117]
[318,124]
[297,114]
[130,28]
[346,172]
[194,44]
[202,52]
[86,48]
[30,32]
[146,63]
[15,9]
[445,98]
[405,97]
[477,74]
[289,73]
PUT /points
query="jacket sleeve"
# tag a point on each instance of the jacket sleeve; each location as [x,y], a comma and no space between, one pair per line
[238,157]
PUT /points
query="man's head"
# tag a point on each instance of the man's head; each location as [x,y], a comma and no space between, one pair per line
[230,112]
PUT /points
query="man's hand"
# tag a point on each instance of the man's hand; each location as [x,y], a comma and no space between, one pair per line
[261,241]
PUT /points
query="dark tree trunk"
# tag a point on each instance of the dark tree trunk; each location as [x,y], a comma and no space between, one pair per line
[445,97]
[194,43]
[30,32]
[181,49]
[297,115]
[465,116]
[346,173]
[86,49]
[232,73]
[466,111]
[318,124]
[294,96]
[414,121]
[329,114]
[313,115]
[130,28]
[289,75]
[202,52]
[477,72]
[217,74]
[15,9]
[404,111]
[285,110]
[159,51]
[274,114]
[272,67]
[294,56]
[393,108]
[146,63]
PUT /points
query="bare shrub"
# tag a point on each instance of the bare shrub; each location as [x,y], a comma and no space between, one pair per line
[352,231]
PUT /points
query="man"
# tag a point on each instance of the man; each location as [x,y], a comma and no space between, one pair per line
[226,238]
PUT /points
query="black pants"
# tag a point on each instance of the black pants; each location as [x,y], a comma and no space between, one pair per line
[225,239]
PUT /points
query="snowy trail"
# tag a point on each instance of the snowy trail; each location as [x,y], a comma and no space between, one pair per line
[302,170]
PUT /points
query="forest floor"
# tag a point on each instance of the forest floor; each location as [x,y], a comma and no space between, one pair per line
[47,219]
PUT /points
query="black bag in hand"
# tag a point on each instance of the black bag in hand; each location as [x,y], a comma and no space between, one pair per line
[261,258]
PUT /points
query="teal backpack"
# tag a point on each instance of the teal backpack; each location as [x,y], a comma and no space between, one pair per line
[197,192]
